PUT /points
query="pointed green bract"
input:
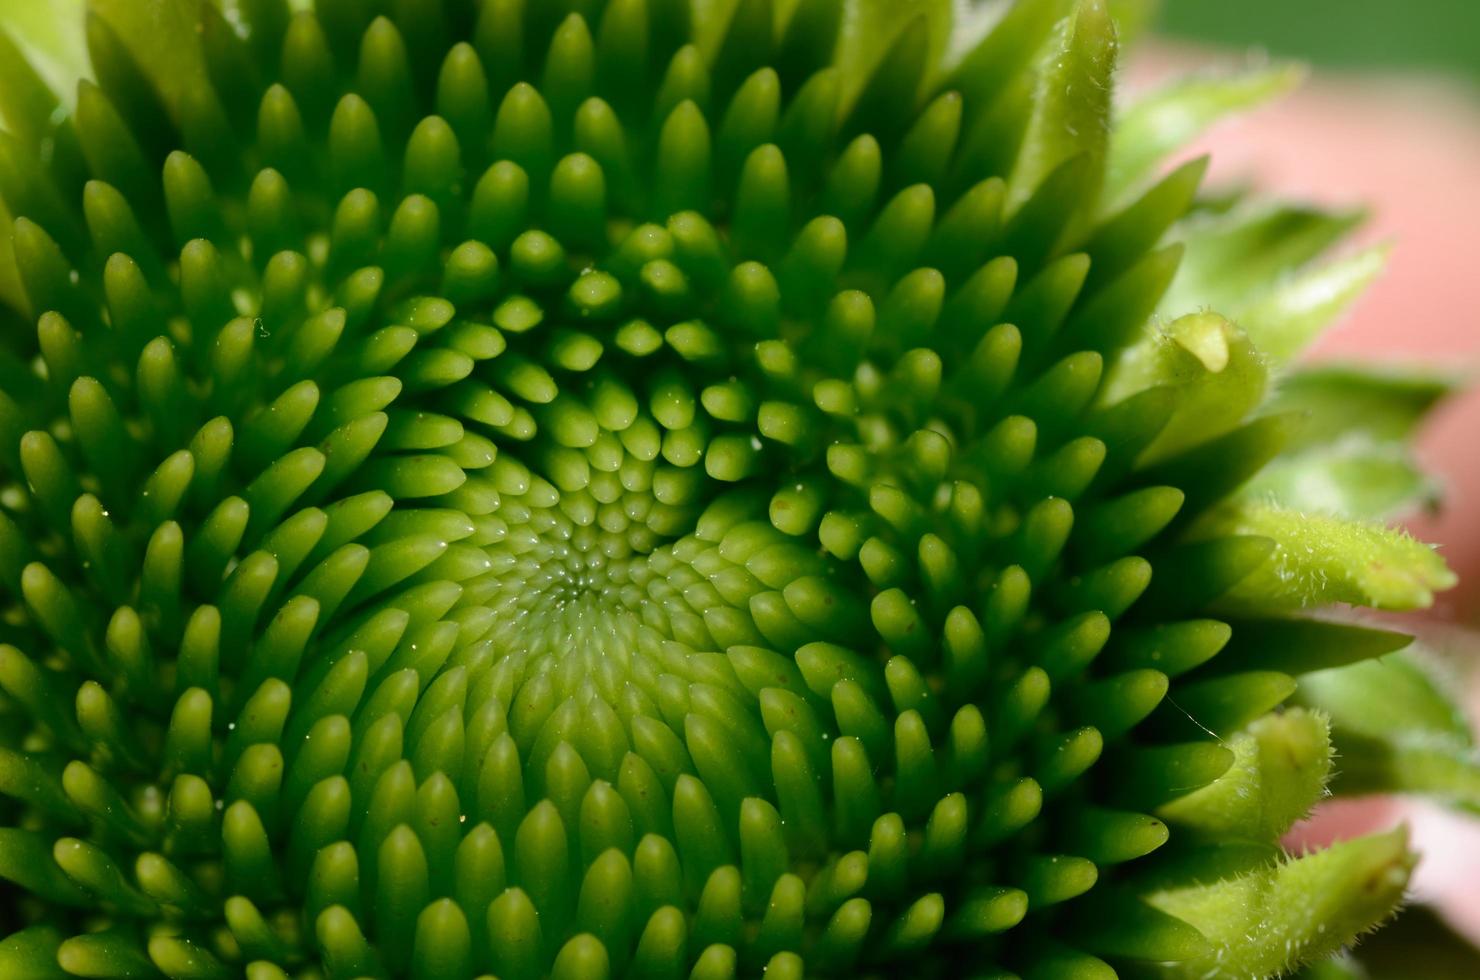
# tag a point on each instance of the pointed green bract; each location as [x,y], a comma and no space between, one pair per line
[1319,560]
[651,488]
[1267,921]
[1281,766]
[1071,111]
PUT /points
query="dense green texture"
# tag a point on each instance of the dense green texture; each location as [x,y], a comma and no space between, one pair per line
[651,493]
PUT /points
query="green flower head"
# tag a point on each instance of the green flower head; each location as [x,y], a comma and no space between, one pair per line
[662,489]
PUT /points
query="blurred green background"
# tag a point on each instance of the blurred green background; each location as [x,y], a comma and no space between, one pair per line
[1413,35]
[1409,35]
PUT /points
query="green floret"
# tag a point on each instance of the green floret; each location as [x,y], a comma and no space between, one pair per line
[632,488]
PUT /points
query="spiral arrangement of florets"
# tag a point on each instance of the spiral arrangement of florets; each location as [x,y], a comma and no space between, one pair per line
[539,489]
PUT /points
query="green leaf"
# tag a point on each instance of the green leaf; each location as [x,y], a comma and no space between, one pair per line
[1319,560]
[1375,697]
[1234,259]
[1344,400]
[1281,765]
[1298,645]
[1120,925]
[1350,458]
[1218,375]
[1356,478]
[993,42]
[1274,919]
[1071,107]
[1397,730]
[1287,318]
[1155,126]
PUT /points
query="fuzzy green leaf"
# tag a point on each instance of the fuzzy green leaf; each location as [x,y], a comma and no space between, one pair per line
[1217,374]
[1281,765]
[1156,125]
[1071,108]
[1397,730]
[1319,560]
[1236,258]
[1269,921]
[994,41]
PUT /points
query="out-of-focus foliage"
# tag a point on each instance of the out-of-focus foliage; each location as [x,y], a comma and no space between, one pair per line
[1441,35]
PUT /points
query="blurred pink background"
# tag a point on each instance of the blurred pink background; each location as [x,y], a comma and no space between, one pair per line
[1410,151]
